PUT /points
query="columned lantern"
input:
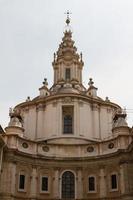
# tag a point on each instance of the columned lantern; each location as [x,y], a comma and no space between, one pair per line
[67,64]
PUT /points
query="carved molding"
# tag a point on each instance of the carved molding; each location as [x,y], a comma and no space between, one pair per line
[40,107]
[95,107]
[67,100]
[81,103]
[109,110]
[54,103]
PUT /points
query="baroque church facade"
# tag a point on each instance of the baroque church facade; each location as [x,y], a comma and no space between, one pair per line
[66,143]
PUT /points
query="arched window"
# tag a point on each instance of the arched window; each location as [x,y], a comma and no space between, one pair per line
[68,124]
[68,185]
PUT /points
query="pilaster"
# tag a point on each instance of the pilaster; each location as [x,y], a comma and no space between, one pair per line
[96,125]
[33,185]
[76,119]
[102,183]
[56,184]
[79,185]
[122,182]
[40,118]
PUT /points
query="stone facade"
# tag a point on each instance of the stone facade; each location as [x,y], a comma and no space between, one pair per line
[67,143]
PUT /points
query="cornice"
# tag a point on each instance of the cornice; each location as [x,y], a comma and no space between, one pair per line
[40,157]
[44,100]
[30,155]
[89,140]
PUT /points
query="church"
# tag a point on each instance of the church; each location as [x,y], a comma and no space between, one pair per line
[66,143]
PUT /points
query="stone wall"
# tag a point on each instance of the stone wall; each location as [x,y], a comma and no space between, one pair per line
[35,167]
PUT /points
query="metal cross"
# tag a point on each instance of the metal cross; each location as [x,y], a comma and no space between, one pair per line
[68,14]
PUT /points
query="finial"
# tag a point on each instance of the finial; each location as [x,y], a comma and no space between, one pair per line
[10,111]
[45,82]
[28,98]
[90,82]
[81,55]
[124,110]
[68,18]
[54,56]
[107,99]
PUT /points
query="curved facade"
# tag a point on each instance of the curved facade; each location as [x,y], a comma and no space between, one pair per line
[67,143]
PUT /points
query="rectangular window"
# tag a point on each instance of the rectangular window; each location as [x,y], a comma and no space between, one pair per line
[113,181]
[44,185]
[91,184]
[67,120]
[67,74]
[68,124]
[21,182]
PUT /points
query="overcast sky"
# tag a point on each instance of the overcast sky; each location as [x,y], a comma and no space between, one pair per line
[31,30]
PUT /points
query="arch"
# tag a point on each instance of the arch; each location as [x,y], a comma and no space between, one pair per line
[68,185]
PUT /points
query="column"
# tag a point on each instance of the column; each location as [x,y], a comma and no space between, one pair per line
[54,75]
[61,71]
[33,185]
[76,72]
[72,72]
[103,189]
[80,75]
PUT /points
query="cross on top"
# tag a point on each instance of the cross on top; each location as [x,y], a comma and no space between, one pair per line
[68,18]
[68,13]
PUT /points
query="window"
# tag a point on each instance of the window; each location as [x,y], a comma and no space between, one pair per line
[21,182]
[113,181]
[67,74]
[91,181]
[67,121]
[68,185]
[67,124]
[44,184]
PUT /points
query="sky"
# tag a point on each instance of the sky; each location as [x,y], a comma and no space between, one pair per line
[31,30]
